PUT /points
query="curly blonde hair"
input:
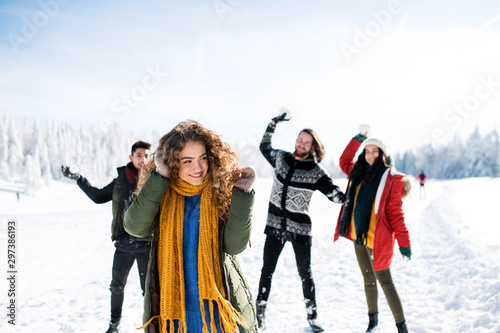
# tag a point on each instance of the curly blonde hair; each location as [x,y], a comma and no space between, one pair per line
[222,160]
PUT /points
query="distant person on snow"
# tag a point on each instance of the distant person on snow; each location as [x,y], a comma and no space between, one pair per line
[128,248]
[422,177]
[197,201]
[296,176]
[373,218]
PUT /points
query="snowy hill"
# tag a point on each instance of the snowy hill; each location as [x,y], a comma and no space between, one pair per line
[452,283]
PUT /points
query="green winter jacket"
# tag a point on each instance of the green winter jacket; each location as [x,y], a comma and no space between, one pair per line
[141,220]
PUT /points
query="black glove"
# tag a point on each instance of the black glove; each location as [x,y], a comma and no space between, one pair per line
[338,197]
[284,115]
[67,173]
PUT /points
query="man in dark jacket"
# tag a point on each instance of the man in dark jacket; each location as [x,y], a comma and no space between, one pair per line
[128,248]
[296,176]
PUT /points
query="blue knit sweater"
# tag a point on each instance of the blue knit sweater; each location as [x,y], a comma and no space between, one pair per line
[190,252]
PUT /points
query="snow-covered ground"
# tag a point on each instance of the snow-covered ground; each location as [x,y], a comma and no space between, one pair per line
[452,283]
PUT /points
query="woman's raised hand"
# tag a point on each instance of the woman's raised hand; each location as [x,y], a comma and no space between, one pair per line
[245,178]
[161,168]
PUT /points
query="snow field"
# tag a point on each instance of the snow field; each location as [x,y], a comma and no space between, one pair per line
[452,283]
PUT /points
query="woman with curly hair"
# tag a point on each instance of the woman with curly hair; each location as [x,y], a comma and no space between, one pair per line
[197,203]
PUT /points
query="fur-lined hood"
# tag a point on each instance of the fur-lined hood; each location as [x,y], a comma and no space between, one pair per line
[394,174]
[406,180]
[408,185]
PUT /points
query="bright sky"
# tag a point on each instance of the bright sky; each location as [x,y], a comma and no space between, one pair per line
[414,70]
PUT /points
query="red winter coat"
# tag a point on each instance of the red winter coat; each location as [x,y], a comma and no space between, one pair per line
[422,178]
[390,222]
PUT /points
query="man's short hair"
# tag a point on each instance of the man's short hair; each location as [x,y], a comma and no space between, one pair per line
[140,144]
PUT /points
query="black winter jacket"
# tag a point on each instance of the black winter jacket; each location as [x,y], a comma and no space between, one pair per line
[119,190]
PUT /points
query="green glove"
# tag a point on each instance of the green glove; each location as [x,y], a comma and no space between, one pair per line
[406,251]
[360,137]
[365,131]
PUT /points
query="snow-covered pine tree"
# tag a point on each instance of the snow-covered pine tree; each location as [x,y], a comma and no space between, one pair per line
[406,163]
[33,154]
[491,152]
[15,160]
[451,156]
[476,164]
[427,160]
[4,149]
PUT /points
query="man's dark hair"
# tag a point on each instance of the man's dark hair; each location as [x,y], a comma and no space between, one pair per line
[140,144]
[319,149]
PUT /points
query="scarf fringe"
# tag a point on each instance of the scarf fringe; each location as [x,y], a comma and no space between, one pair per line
[163,323]
[229,318]
[147,323]
[361,239]
[182,328]
[170,262]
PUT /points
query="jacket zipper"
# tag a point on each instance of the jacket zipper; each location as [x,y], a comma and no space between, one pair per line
[284,197]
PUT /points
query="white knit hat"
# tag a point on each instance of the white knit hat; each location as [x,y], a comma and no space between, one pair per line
[377,142]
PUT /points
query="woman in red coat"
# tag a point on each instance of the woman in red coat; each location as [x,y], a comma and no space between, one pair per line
[372,217]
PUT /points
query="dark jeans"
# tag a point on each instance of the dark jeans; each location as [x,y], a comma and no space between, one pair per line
[370,277]
[122,263]
[272,251]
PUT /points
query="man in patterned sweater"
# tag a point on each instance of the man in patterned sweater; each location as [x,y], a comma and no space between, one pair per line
[296,176]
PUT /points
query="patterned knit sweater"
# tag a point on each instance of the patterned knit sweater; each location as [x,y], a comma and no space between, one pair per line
[294,183]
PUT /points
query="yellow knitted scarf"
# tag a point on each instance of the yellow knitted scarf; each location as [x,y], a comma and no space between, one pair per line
[170,261]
